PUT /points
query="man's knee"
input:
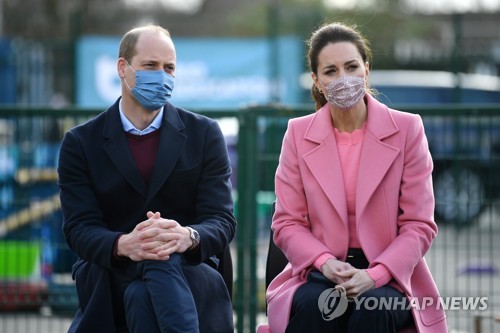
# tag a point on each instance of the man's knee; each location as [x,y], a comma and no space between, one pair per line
[171,266]
[136,294]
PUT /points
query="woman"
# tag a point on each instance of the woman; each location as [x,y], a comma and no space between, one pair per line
[354,208]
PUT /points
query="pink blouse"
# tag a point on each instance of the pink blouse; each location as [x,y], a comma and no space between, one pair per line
[349,147]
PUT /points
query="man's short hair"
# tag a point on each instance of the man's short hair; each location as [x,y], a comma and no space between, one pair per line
[127,44]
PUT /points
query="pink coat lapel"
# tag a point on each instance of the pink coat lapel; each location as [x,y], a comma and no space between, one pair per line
[376,157]
[324,162]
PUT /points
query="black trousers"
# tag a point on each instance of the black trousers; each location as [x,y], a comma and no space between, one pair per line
[318,308]
[170,296]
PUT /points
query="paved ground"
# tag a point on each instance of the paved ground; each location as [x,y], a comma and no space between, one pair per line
[467,263]
[33,323]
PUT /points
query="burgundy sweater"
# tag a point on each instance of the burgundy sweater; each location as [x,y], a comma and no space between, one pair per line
[144,149]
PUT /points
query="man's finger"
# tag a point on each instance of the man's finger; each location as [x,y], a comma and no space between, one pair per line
[143,225]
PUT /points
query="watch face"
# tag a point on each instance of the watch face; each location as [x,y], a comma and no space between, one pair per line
[195,236]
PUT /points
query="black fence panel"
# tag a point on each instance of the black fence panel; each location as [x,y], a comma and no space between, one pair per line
[36,289]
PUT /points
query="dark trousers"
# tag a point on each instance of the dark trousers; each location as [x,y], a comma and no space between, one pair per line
[166,287]
[312,312]
[171,296]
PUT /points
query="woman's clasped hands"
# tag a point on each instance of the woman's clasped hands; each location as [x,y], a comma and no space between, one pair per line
[353,280]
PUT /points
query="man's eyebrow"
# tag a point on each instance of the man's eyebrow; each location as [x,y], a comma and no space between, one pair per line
[156,62]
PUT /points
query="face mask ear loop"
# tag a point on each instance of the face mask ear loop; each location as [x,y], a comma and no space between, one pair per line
[125,79]
[321,87]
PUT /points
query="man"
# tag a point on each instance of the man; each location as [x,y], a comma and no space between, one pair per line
[146,200]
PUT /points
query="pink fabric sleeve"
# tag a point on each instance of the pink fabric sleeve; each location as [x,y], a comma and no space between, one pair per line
[322,259]
[380,275]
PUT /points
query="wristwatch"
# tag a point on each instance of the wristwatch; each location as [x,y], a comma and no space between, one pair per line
[195,237]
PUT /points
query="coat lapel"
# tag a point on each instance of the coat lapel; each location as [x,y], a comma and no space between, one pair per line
[117,149]
[376,155]
[172,142]
[323,161]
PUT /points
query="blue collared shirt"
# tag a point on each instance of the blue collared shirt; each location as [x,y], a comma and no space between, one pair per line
[130,128]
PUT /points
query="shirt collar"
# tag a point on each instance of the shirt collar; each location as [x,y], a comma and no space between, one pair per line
[130,128]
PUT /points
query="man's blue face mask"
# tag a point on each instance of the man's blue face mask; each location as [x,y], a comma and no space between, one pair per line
[152,89]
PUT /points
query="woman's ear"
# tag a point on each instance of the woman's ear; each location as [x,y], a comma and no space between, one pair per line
[315,81]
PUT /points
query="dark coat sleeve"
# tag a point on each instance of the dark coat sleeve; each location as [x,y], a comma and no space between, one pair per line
[85,229]
[214,206]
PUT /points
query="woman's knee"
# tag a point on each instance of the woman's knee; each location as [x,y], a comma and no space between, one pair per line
[306,297]
[382,309]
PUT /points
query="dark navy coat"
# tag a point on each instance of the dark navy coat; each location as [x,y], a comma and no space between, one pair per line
[103,195]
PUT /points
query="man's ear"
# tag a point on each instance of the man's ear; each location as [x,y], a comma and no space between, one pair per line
[120,67]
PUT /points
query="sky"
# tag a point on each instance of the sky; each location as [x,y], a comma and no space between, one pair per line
[184,6]
[422,6]
[450,6]
[427,6]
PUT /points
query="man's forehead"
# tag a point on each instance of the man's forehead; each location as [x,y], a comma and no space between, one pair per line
[150,35]
[156,45]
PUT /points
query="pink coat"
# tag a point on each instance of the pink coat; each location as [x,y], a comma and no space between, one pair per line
[394,206]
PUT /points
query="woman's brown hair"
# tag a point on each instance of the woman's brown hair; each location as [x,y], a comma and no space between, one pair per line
[333,33]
